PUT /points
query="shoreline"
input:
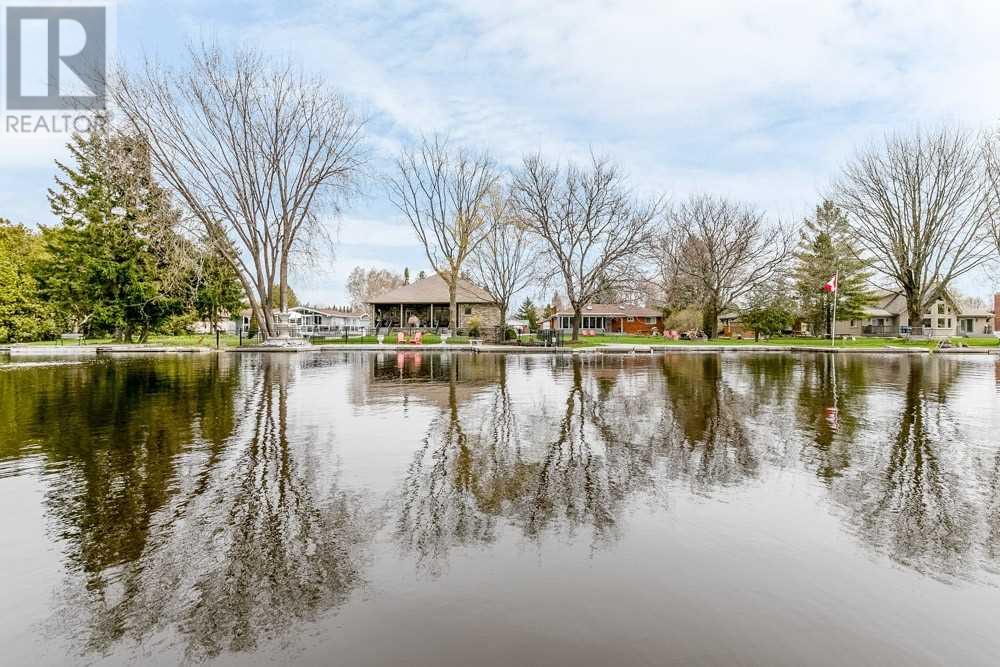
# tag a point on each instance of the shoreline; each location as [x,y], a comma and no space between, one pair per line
[134,350]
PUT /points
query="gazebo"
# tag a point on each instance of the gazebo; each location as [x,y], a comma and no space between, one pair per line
[425,304]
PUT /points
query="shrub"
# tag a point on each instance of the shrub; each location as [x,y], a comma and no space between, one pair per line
[474,325]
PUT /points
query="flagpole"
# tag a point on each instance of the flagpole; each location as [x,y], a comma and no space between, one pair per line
[833,323]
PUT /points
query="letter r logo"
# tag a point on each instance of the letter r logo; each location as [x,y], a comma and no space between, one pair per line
[56,57]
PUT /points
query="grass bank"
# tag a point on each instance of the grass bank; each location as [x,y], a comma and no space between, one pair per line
[189,340]
[866,343]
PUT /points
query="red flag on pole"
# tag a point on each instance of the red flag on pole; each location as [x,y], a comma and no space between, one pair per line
[831,286]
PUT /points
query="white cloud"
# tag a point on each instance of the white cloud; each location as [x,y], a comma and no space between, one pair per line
[368,231]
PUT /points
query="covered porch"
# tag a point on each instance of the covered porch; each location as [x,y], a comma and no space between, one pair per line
[411,315]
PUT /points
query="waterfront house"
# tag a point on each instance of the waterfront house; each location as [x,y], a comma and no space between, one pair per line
[310,321]
[611,319]
[425,304]
[944,317]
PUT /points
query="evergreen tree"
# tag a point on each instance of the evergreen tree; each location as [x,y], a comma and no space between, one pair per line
[528,311]
[23,314]
[769,311]
[827,249]
[115,262]
[406,275]
[217,289]
[421,275]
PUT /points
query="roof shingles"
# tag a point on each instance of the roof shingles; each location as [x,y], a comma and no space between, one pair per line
[433,289]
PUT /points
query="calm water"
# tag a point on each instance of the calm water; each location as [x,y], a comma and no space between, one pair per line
[435,509]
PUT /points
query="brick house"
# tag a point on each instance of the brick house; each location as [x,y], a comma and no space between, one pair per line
[611,318]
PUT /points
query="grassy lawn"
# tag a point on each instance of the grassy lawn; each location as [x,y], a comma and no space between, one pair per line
[429,339]
[592,341]
[190,340]
[206,340]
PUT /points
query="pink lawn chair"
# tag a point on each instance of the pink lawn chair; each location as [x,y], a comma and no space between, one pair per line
[400,338]
[416,338]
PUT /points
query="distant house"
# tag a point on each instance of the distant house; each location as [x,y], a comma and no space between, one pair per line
[520,326]
[425,304]
[226,325]
[611,318]
[944,317]
[310,321]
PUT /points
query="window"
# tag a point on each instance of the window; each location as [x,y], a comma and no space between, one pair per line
[650,320]
[631,319]
[940,309]
[852,323]
[940,323]
[468,310]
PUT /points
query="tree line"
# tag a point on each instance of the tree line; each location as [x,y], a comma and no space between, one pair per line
[217,179]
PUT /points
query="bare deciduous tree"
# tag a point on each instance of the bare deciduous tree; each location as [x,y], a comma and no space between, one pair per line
[506,261]
[918,206]
[254,149]
[716,252]
[991,157]
[442,192]
[593,231]
[364,284]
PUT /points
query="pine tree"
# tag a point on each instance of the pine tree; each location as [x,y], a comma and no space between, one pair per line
[217,289]
[406,275]
[528,311]
[826,249]
[116,261]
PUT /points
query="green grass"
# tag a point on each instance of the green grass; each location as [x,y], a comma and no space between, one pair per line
[339,340]
[188,340]
[593,341]
[207,340]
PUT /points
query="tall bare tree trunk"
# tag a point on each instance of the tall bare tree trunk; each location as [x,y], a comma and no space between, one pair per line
[452,303]
[577,322]
[283,285]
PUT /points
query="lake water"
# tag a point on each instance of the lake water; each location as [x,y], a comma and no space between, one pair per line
[459,509]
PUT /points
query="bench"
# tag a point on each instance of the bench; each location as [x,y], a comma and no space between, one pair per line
[71,336]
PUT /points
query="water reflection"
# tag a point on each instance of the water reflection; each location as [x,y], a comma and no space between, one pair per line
[706,435]
[908,496]
[205,499]
[186,507]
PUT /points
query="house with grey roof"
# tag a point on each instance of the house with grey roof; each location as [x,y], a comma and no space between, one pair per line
[945,317]
[425,304]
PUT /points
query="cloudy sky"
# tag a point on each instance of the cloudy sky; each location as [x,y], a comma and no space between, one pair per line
[760,101]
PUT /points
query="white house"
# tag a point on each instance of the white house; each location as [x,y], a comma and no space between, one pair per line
[310,321]
[946,317]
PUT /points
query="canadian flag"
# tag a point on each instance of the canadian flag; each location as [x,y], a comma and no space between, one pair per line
[831,286]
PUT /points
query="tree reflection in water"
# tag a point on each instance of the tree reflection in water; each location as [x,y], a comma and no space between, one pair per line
[829,408]
[907,496]
[705,437]
[618,433]
[251,540]
[192,506]
[476,468]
